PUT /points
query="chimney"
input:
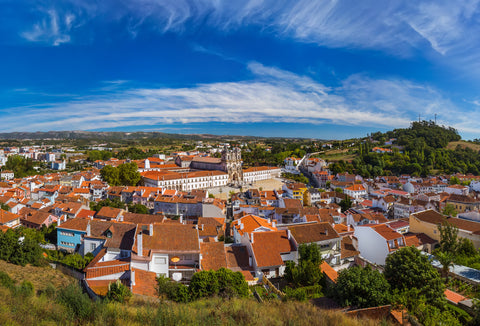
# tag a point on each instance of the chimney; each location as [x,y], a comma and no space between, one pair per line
[181,219]
[348,228]
[269,220]
[251,237]
[140,244]
[59,221]
[132,277]
[88,230]
[289,234]
[202,227]
[273,224]
[241,225]
[150,233]
[91,217]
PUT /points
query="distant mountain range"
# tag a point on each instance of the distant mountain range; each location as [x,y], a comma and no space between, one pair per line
[110,135]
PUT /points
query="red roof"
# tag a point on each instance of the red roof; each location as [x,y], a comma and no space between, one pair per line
[453,296]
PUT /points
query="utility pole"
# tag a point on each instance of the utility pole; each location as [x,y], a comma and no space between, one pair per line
[435,119]
[419,117]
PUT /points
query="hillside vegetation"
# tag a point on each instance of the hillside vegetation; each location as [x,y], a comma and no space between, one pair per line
[419,150]
[54,300]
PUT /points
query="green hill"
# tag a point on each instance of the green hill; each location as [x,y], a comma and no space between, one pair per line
[52,302]
[420,150]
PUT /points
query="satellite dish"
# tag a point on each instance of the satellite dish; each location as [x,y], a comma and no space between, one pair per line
[177,277]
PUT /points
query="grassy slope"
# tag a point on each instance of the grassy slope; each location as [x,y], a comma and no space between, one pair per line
[42,310]
[39,276]
[453,144]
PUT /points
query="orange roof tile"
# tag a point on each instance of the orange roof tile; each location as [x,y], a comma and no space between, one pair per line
[329,271]
[268,247]
[453,296]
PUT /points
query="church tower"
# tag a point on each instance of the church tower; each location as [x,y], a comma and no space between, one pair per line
[232,165]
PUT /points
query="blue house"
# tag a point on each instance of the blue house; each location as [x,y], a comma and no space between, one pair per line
[70,234]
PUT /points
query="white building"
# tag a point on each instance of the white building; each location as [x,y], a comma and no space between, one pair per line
[377,241]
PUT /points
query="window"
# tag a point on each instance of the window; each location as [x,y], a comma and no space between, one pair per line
[68,234]
[93,246]
[64,243]
[160,260]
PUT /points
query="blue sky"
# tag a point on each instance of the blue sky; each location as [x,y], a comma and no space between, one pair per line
[322,69]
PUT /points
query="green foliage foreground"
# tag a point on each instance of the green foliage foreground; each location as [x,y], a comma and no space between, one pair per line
[223,283]
[20,305]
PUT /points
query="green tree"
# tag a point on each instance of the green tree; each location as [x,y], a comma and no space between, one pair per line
[407,269]
[361,287]
[128,174]
[449,210]
[138,208]
[448,237]
[346,203]
[446,259]
[110,175]
[4,207]
[307,271]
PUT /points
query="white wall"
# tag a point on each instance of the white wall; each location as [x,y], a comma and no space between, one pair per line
[371,245]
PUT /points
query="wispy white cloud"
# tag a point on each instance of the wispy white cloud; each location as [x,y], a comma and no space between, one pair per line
[447,29]
[273,95]
[52,29]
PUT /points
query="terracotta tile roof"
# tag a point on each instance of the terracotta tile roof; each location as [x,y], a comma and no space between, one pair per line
[109,212]
[342,228]
[169,238]
[430,216]
[237,257]
[106,268]
[251,223]
[398,224]
[213,255]
[292,203]
[329,271]
[248,275]
[6,217]
[347,248]
[268,247]
[453,296]
[462,199]
[386,232]
[145,283]
[100,287]
[142,218]
[86,213]
[465,224]
[313,232]
[36,217]
[356,187]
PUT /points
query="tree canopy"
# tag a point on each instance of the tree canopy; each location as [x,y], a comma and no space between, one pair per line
[361,287]
[307,272]
[124,175]
[407,269]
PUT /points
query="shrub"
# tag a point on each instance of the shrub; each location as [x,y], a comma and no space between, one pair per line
[76,301]
[25,289]
[298,294]
[118,292]
[6,280]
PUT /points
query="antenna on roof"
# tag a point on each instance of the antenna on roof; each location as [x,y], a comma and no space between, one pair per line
[435,118]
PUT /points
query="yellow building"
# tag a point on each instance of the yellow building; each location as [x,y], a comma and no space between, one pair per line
[428,221]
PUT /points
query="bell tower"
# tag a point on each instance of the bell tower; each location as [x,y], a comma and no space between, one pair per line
[232,165]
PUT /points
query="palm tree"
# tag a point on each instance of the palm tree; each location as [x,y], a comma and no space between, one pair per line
[446,259]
